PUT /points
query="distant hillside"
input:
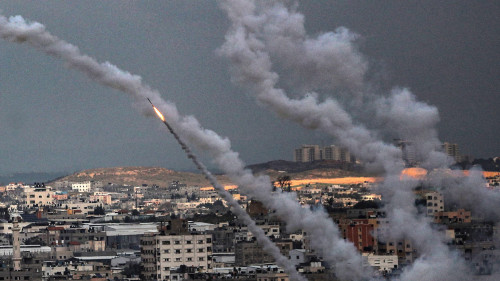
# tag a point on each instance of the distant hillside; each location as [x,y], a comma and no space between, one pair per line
[325,169]
[163,177]
[141,175]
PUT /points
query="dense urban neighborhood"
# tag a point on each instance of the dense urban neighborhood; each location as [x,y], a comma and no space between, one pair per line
[93,230]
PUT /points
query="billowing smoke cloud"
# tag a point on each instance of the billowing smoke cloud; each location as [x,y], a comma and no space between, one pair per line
[336,65]
[17,30]
[267,34]
[261,237]
[324,234]
[467,192]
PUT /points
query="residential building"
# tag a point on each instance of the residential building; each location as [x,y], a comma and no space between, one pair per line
[452,150]
[383,263]
[336,153]
[39,196]
[360,233]
[434,203]
[408,152]
[174,247]
[458,216]
[307,153]
[82,186]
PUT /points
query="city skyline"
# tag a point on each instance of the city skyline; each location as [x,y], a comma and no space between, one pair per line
[54,119]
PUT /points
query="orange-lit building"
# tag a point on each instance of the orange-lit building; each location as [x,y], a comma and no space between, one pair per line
[459,216]
[359,232]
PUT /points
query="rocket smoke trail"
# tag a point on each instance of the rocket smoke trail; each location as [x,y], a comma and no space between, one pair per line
[324,234]
[330,59]
[264,33]
[263,240]
[17,30]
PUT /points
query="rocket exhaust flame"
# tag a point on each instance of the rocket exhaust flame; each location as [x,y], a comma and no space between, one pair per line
[17,30]
[157,111]
[252,65]
[236,208]
[335,250]
[159,114]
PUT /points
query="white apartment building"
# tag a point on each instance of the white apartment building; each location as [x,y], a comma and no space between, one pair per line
[82,186]
[163,253]
[39,196]
[385,263]
[14,186]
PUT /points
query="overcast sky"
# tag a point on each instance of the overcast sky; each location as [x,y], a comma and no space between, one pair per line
[55,119]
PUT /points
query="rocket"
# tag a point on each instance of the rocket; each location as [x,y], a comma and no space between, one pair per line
[160,115]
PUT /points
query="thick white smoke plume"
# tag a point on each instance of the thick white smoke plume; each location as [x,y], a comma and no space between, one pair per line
[15,29]
[261,237]
[264,34]
[323,232]
[268,34]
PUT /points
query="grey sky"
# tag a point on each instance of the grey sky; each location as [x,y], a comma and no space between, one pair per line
[55,119]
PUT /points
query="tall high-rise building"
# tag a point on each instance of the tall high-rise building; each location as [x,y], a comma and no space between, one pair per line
[310,153]
[307,153]
[408,151]
[452,150]
[337,153]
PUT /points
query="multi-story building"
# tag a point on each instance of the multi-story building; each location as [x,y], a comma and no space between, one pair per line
[82,186]
[336,153]
[76,238]
[383,263]
[307,153]
[101,197]
[250,252]
[360,233]
[435,203]
[452,150]
[458,216]
[408,151]
[174,247]
[310,153]
[40,195]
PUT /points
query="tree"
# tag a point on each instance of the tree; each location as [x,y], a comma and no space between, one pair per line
[4,214]
[132,269]
[218,203]
[284,182]
[99,210]
[135,212]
